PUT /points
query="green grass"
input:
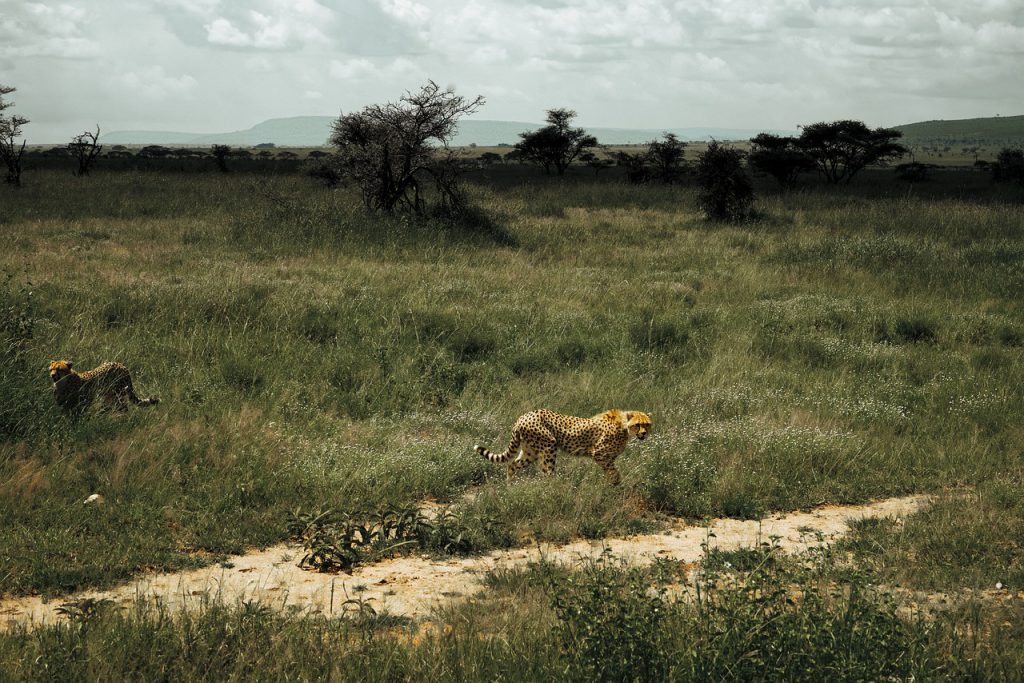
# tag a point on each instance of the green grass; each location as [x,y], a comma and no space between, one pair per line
[849,344]
[965,539]
[1000,129]
[602,623]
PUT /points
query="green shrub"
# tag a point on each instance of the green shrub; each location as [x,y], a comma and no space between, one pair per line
[726,193]
[611,625]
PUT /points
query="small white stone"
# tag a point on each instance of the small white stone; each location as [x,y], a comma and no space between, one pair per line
[94,499]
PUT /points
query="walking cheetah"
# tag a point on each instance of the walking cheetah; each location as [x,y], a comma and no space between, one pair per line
[74,391]
[541,432]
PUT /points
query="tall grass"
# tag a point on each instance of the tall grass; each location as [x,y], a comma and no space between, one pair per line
[309,355]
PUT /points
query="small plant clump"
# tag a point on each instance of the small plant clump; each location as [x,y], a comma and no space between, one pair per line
[338,542]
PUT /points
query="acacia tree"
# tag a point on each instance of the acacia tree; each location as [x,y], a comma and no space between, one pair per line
[840,149]
[663,161]
[397,152]
[10,130]
[780,157]
[667,158]
[557,144]
[595,162]
[85,148]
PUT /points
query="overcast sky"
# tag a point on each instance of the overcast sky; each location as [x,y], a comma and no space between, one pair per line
[218,65]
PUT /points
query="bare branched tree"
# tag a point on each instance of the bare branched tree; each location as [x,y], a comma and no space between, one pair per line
[397,153]
[85,148]
[10,130]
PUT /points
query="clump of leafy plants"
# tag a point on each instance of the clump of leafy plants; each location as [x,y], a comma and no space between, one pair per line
[336,542]
[611,623]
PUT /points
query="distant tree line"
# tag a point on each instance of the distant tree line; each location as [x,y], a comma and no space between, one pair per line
[398,154]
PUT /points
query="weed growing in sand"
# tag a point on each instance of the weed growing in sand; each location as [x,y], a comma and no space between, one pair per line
[338,542]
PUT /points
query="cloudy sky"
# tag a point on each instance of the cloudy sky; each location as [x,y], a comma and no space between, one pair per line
[217,65]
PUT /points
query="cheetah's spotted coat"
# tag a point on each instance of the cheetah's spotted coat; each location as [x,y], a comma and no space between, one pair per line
[540,433]
[112,382]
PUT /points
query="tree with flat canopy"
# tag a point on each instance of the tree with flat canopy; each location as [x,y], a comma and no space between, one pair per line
[779,156]
[557,144]
[841,149]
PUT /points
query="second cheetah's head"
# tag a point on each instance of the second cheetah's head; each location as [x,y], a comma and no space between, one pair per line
[638,424]
[59,369]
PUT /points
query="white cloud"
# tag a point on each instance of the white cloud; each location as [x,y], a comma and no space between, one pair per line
[261,25]
[362,69]
[352,68]
[222,32]
[701,67]
[406,10]
[1001,37]
[36,29]
[626,63]
[154,83]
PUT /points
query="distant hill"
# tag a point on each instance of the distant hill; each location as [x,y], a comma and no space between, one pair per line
[997,130]
[313,131]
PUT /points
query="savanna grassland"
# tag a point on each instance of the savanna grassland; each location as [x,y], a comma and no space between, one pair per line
[849,343]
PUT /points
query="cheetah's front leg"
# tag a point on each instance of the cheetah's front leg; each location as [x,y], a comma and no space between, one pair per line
[610,471]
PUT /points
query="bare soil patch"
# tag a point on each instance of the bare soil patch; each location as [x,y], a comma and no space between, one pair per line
[412,586]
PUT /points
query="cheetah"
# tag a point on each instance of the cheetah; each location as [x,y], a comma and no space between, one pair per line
[540,433]
[74,391]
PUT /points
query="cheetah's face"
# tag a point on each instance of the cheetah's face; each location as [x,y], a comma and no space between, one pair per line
[638,424]
[59,369]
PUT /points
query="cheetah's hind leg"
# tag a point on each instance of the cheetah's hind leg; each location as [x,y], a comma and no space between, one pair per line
[525,457]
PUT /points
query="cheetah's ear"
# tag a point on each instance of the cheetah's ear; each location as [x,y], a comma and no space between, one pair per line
[68,364]
[629,416]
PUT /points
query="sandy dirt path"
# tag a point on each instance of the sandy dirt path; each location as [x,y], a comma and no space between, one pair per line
[414,585]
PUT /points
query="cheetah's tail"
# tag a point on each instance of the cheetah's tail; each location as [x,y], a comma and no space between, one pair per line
[151,401]
[508,454]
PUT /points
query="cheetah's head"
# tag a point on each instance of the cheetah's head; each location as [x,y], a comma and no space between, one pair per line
[59,369]
[638,424]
